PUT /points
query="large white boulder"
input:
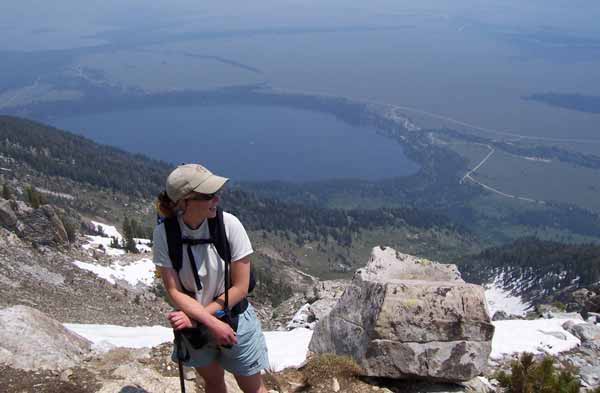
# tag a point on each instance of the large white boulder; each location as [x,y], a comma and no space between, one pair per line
[405,317]
[31,340]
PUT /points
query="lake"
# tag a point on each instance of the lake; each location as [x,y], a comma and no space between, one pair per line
[249,143]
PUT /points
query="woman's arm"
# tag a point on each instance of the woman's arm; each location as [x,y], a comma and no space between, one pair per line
[191,309]
[180,299]
[240,280]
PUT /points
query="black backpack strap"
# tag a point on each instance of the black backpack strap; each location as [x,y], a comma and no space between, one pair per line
[219,235]
[174,243]
[189,243]
[194,267]
[216,227]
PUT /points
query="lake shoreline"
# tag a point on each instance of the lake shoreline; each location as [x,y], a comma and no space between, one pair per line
[246,123]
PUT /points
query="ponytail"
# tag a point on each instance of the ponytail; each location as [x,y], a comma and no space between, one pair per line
[165,207]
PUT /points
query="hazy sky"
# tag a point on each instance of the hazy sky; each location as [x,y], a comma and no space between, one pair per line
[74,15]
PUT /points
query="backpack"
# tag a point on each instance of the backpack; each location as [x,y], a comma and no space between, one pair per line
[218,237]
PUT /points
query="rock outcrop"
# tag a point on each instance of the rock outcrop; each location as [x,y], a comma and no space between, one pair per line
[42,226]
[404,317]
[31,340]
[8,218]
[325,295]
[587,356]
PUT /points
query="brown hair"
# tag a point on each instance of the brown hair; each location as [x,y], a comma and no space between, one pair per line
[164,205]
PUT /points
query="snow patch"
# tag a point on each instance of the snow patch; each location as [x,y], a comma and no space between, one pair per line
[141,271]
[105,337]
[108,230]
[102,244]
[535,336]
[290,348]
[142,245]
[499,299]
[286,349]
[56,194]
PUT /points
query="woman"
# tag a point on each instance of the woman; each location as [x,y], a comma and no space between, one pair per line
[192,197]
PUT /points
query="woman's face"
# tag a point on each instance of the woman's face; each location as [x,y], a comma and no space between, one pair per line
[202,205]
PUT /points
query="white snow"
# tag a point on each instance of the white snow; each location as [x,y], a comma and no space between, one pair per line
[108,230]
[286,349]
[141,271]
[142,245]
[102,243]
[301,318]
[535,336]
[105,337]
[57,194]
[290,348]
[499,299]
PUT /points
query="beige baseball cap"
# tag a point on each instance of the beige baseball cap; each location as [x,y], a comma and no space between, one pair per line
[189,178]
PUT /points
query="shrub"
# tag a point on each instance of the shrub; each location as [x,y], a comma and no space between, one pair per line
[7,192]
[34,197]
[323,367]
[529,376]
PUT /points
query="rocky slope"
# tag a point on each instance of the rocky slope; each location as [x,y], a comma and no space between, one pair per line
[46,278]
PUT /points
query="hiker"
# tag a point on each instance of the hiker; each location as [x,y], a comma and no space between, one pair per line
[212,337]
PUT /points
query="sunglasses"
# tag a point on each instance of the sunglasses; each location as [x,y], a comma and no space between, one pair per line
[203,197]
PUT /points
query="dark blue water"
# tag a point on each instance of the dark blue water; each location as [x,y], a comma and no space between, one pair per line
[249,143]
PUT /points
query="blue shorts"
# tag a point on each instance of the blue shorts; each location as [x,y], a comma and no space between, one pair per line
[247,357]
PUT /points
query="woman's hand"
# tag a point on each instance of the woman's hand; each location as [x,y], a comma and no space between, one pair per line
[179,320]
[222,332]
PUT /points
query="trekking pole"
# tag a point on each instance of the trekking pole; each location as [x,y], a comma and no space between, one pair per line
[179,359]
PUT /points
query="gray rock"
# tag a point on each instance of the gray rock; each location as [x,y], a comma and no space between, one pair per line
[586,332]
[304,318]
[134,375]
[335,385]
[29,340]
[322,307]
[404,317]
[475,385]
[581,297]
[8,218]
[590,375]
[327,294]
[43,226]
[562,315]
[594,317]
[500,316]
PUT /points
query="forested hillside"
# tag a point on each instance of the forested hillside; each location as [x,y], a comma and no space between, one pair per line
[111,184]
[58,153]
[535,268]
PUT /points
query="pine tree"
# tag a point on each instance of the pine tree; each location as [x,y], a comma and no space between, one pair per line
[114,243]
[128,240]
[34,197]
[6,192]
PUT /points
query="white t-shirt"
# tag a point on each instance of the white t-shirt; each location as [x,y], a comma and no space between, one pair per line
[211,268]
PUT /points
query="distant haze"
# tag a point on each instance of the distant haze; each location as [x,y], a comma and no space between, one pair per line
[469,61]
